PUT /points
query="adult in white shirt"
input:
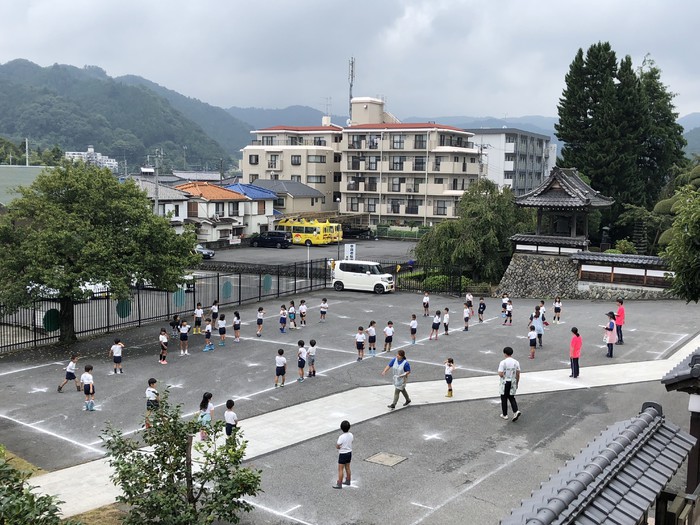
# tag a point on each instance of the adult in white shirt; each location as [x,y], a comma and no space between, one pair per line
[509,372]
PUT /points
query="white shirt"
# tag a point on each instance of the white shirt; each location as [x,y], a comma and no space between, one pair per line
[509,308]
[324,306]
[283,313]
[86,378]
[163,338]
[214,308]
[292,311]
[116,350]
[261,315]
[532,335]
[388,331]
[360,337]
[280,360]
[557,304]
[466,313]
[230,417]
[184,328]
[302,309]
[436,319]
[413,324]
[221,323]
[345,442]
[449,369]
[236,320]
[208,327]
[509,367]
[312,351]
[446,318]
[371,331]
[302,353]
[426,300]
[198,312]
[470,297]
[71,367]
[151,393]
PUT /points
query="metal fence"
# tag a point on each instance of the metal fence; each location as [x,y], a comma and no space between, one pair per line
[412,277]
[38,325]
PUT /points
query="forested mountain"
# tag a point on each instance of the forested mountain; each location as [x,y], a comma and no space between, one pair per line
[72,108]
[690,121]
[693,138]
[231,133]
[260,118]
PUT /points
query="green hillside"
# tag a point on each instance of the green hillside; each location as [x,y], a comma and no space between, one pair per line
[72,108]
[231,133]
[693,138]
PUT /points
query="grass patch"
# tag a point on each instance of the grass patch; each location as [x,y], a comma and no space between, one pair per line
[19,464]
[109,515]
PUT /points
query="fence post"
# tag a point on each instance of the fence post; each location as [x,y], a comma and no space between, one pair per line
[138,304]
[278,280]
[240,282]
[295,278]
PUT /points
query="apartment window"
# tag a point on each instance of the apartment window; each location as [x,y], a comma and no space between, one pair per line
[176,210]
[440,208]
[420,142]
[472,160]
[337,138]
[323,200]
[316,179]
[253,177]
[224,234]
[356,141]
[397,140]
[419,164]
[219,208]
[233,209]
[374,141]
[337,176]
[396,163]
[261,207]
[438,180]
[510,157]
[279,202]
[268,141]
[337,157]
[395,206]
[412,206]
[253,160]
[354,204]
[354,163]
[395,184]
[371,205]
[319,141]
[508,175]
[316,159]
[192,209]
[161,210]
[272,161]
[510,139]
[371,184]
[296,160]
[274,176]
[436,165]
[296,178]
[371,163]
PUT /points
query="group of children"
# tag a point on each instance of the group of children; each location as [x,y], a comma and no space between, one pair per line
[181,330]
[86,382]
[304,356]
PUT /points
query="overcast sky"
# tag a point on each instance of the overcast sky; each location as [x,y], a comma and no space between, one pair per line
[425,57]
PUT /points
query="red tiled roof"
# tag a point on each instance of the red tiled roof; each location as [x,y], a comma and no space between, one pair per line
[301,129]
[405,125]
[211,192]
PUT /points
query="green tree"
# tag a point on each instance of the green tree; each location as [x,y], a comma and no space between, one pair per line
[480,238]
[573,124]
[167,485]
[78,224]
[19,504]
[683,251]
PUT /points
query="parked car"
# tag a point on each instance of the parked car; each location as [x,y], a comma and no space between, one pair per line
[275,239]
[206,253]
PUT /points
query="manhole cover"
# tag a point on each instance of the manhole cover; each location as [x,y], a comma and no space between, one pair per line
[386,459]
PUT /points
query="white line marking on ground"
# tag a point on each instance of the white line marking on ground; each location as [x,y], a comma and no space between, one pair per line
[428,437]
[421,505]
[506,453]
[34,390]
[277,513]
[31,368]
[290,510]
[53,434]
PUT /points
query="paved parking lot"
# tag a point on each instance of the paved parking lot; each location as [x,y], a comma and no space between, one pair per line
[461,459]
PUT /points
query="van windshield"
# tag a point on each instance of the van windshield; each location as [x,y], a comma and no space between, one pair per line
[375,269]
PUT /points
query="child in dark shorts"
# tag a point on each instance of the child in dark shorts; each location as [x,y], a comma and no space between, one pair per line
[70,374]
[344,446]
[280,367]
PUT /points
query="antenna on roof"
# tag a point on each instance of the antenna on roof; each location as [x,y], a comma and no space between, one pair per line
[351,80]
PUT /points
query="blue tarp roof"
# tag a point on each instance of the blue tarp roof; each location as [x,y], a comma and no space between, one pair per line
[252,191]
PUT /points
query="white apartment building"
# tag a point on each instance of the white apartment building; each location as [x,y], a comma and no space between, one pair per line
[515,158]
[91,157]
[403,173]
[307,154]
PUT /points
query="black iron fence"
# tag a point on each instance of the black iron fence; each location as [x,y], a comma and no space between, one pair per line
[38,324]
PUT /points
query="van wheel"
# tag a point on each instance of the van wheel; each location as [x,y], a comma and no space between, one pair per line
[378,288]
[338,286]
[255,244]
[308,242]
[278,245]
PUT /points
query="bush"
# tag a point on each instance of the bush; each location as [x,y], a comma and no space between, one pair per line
[613,251]
[665,237]
[625,246]
[664,207]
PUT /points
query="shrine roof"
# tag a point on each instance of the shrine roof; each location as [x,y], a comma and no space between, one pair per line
[564,189]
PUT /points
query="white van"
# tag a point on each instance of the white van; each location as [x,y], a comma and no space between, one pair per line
[361,275]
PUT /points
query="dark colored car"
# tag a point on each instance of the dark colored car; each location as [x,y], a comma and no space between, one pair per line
[275,239]
[206,253]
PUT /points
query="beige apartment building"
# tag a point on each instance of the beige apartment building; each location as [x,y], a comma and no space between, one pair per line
[310,155]
[403,173]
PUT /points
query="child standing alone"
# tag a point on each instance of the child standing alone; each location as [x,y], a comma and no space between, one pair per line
[163,341]
[208,346]
[426,304]
[280,367]
[70,374]
[449,369]
[388,336]
[221,323]
[344,447]
[435,327]
[115,352]
[482,309]
[230,417]
[88,384]
[413,326]
[259,321]
[283,319]
[360,342]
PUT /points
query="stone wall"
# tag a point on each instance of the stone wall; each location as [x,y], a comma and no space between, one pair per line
[547,276]
[534,275]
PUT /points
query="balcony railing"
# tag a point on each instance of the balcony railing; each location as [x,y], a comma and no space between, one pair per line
[371,186]
[412,210]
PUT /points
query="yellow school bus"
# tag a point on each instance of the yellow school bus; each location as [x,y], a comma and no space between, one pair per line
[312,232]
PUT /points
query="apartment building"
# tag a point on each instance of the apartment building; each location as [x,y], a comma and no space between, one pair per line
[403,173]
[310,155]
[92,157]
[513,157]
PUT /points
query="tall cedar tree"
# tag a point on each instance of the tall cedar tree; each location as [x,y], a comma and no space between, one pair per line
[77,224]
[573,124]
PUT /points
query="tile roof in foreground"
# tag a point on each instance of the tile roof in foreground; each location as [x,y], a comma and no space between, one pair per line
[210,192]
[564,189]
[615,479]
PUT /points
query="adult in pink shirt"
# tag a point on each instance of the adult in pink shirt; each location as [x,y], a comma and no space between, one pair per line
[575,351]
[620,320]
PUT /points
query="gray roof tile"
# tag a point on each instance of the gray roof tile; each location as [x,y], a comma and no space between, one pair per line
[564,189]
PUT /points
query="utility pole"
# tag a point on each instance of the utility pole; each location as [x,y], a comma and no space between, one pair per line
[351,79]
[26,152]
[158,154]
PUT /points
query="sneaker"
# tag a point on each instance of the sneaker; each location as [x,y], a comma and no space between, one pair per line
[282,385]
[187,353]
[59,390]
[113,372]
[164,362]
[276,385]
[516,415]
[258,335]
[338,486]
[503,416]
[346,482]
[182,353]
[77,388]
[391,406]
[300,380]
[407,403]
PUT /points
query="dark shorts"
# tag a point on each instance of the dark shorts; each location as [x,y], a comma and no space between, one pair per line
[222,330]
[301,363]
[303,316]
[413,331]
[446,325]
[344,458]
[259,322]
[152,404]
[504,305]
[469,304]
[324,312]
[207,335]
[372,339]
[117,359]
[557,310]
[86,389]
[436,326]
[482,310]
[389,339]
[509,314]
[466,319]
[163,345]
[214,316]
[70,376]
[359,345]
[183,337]
[533,343]
[283,320]
[448,379]
[279,371]
[198,321]
[236,327]
[229,428]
